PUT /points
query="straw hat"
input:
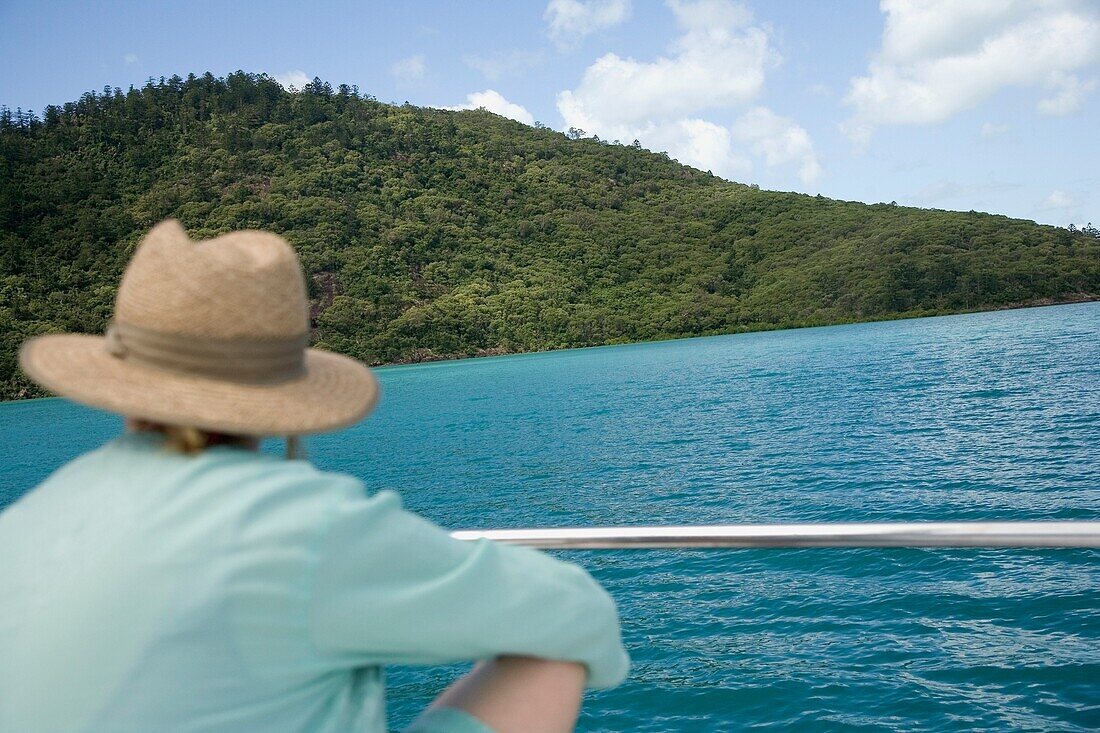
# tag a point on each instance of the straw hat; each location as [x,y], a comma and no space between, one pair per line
[212,334]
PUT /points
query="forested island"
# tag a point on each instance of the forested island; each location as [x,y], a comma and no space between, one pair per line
[430,234]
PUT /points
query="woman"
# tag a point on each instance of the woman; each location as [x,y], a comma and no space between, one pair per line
[177,580]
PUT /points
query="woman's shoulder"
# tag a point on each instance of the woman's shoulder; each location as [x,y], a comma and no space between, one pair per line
[237,485]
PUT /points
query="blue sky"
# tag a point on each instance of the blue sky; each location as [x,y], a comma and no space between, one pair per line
[991,105]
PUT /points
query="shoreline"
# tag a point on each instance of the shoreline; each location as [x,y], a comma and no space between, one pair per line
[1076,299]
[431,358]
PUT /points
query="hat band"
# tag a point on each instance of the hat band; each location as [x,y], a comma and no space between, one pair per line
[251,361]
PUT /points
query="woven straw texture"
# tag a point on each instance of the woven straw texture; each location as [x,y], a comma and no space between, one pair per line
[244,285]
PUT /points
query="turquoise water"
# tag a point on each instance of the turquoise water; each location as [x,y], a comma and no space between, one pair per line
[983,416]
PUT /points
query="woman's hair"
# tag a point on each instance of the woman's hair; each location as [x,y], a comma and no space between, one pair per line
[190,440]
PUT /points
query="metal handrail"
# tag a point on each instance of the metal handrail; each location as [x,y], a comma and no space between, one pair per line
[745,536]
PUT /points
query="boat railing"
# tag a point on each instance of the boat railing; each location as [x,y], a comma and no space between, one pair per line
[1066,534]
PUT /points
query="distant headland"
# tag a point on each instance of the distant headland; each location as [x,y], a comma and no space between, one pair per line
[429,233]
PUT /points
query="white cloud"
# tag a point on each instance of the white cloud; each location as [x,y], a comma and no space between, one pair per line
[1069,90]
[497,104]
[939,57]
[1058,200]
[409,69]
[704,145]
[296,79]
[504,63]
[571,20]
[718,62]
[695,142]
[131,58]
[779,141]
[990,129]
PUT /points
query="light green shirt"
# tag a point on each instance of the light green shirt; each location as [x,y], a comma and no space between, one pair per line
[146,591]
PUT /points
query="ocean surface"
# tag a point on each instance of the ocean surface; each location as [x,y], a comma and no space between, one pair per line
[986,416]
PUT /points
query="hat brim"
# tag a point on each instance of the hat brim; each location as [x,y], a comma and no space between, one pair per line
[334,392]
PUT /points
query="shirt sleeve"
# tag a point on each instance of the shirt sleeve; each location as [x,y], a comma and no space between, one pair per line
[393,588]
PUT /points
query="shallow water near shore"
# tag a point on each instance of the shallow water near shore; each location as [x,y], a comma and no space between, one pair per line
[982,416]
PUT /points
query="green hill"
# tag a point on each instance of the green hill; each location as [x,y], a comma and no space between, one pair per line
[430,233]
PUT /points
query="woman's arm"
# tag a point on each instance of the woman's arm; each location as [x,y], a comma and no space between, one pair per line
[513,695]
[393,588]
